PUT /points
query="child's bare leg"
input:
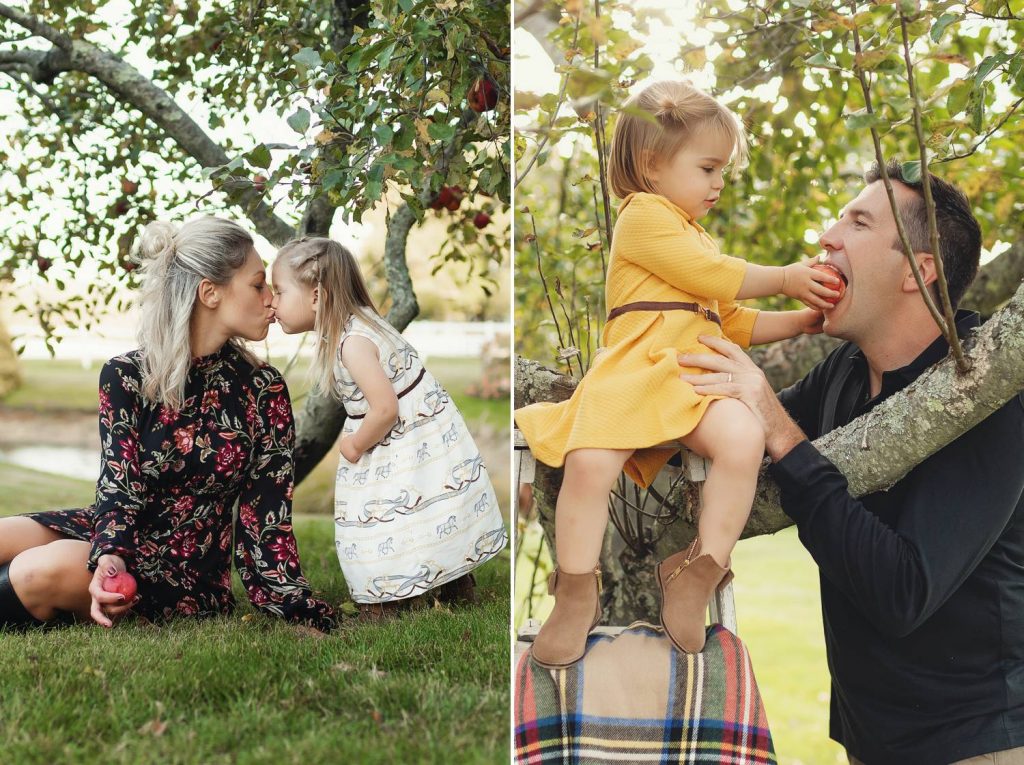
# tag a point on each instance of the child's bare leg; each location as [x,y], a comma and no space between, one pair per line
[732,438]
[581,516]
[581,513]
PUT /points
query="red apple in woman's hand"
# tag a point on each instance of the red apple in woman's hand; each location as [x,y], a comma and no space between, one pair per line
[828,268]
[122,583]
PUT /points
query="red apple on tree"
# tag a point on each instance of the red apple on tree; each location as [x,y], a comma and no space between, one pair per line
[122,583]
[43,264]
[483,96]
[259,182]
[481,219]
[129,187]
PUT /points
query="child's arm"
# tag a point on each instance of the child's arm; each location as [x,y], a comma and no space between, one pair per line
[770,326]
[797,280]
[359,355]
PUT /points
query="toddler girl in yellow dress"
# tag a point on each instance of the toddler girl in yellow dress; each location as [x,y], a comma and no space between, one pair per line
[667,284]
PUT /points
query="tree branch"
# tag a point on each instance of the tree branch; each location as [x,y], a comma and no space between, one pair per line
[135,90]
[36,26]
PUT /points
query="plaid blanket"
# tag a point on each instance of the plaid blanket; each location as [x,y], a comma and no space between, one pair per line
[634,699]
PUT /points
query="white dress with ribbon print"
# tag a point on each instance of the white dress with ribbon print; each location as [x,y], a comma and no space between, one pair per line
[418,509]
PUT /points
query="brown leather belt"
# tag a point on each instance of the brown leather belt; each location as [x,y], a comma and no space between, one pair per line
[405,390]
[655,306]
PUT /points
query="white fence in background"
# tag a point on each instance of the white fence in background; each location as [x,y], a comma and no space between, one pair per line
[450,339]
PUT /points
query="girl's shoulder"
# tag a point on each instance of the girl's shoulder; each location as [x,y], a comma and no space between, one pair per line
[642,208]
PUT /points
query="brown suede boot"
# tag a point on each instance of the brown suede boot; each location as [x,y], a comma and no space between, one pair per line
[562,640]
[687,583]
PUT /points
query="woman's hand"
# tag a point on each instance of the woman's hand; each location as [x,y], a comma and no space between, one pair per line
[809,285]
[107,607]
[350,451]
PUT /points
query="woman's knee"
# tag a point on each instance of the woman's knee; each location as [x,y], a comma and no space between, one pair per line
[52,577]
[20,533]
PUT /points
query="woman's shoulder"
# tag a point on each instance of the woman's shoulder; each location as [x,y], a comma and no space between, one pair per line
[124,365]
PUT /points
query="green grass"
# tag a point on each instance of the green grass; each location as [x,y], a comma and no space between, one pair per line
[778,617]
[250,689]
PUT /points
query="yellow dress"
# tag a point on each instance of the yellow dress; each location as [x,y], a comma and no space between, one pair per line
[632,397]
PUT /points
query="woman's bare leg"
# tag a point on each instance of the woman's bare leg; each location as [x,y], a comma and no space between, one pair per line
[53,577]
[19,533]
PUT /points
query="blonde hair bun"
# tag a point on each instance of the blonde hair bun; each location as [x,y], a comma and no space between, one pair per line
[156,242]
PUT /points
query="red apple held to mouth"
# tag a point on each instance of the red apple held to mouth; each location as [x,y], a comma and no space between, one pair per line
[828,268]
[122,583]
[481,219]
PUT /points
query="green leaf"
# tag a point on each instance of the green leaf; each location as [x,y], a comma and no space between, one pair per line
[942,23]
[956,100]
[862,120]
[405,5]
[990,63]
[260,157]
[308,58]
[299,122]
[912,171]
[383,134]
[440,131]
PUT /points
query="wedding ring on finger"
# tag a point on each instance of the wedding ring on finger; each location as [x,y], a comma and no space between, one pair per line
[730,377]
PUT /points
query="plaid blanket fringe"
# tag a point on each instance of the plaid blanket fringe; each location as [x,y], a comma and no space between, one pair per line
[634,699]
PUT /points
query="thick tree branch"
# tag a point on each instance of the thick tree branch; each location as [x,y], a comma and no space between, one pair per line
[996,281]
[137,91]
[36,26]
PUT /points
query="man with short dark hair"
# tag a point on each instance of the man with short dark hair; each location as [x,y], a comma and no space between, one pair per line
[922,586]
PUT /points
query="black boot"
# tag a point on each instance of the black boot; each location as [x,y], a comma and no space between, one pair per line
[13,614]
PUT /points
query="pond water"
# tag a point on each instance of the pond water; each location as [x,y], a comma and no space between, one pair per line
[69,461]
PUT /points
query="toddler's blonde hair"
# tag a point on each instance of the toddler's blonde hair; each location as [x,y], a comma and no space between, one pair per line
[671,112]
[321,263]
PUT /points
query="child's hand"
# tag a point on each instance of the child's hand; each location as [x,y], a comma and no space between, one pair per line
[810,321]
[809,285]
[349,451]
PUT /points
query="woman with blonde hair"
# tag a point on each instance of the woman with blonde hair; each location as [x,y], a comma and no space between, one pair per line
[190,423]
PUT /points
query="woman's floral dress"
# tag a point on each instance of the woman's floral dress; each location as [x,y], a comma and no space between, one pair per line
[169,481]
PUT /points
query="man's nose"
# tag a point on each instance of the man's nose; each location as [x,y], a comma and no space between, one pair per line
[830,239]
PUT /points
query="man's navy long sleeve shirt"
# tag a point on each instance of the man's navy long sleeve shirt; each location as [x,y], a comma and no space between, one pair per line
[922,586]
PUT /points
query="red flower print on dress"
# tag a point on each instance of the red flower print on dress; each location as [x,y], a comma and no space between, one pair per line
[104,401]
[184,504]
[129,449]
[211,400]
[279,412]
[230,457]
[284,550]
[188,606]
[246,515]
[185,439]
[167,416]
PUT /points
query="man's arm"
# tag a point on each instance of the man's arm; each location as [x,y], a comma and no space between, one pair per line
[956,505]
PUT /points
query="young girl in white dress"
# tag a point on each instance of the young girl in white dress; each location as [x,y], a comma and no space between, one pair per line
[414,508]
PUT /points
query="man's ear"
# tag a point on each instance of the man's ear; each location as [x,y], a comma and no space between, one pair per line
[926,265]
[208,294]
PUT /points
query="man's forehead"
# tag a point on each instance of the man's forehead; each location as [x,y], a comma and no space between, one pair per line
[872,202]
